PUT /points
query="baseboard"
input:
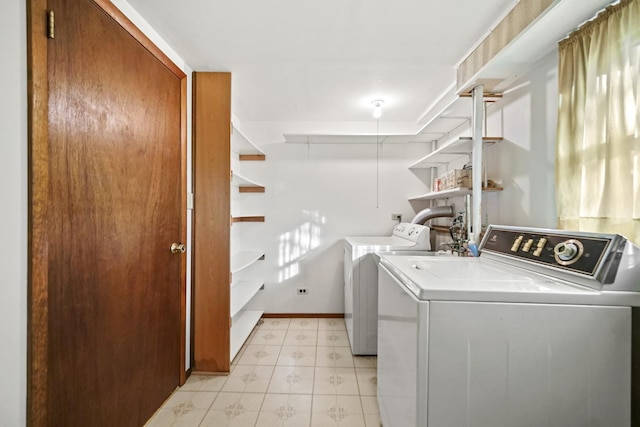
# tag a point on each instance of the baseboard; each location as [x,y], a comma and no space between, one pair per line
[305,315]
[211,374]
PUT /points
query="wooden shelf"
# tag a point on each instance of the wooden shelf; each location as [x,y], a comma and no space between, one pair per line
[255,218]
[454,192]
[241,328]
[245,185]
[252,157]
[244,147]
[454,150]
[250,189]
[242,260]
[242,293]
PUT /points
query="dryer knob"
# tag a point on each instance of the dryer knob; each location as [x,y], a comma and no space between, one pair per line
[566,251]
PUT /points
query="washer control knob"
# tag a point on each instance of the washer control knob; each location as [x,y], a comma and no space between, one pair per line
[566,251]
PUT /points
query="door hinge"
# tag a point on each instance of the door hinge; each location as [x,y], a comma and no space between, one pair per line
[190,201]
[51,25]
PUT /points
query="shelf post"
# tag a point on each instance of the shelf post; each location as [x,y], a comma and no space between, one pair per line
[476,175]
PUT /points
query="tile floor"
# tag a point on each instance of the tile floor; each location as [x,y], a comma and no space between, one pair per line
[290,372]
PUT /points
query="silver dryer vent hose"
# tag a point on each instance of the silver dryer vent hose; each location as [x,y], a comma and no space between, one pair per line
[434,212]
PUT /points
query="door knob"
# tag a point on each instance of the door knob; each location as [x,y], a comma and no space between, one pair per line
[177,248]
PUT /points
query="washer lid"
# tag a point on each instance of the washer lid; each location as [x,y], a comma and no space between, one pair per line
[475,279]
[384,241]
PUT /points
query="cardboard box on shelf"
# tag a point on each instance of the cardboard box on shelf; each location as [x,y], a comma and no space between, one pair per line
[456,178]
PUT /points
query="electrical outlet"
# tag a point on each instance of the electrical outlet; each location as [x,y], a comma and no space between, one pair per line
[396,217]
[302,291]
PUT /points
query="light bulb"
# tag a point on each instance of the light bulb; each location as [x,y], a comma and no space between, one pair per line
[377,108]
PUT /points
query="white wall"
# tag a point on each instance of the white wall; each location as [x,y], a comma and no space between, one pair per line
[525,160]
[315,196]
[13,214]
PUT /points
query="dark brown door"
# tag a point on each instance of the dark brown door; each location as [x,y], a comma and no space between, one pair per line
[114,210]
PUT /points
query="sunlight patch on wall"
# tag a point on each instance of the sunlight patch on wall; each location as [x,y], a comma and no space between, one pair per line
[296,244]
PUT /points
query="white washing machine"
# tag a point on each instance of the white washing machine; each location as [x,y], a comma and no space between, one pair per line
[361,280]
[534,332]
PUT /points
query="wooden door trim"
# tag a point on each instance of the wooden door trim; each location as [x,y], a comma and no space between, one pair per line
[38,179]
[131,28]
[37,270]
[183,228]
[211,175]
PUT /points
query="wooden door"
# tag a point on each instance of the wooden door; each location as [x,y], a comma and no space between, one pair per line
[113,333]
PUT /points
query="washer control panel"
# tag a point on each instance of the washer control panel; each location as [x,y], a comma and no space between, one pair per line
[413,232]
[577,252]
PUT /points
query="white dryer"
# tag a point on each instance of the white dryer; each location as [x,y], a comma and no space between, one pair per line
[361,280]
[536,331]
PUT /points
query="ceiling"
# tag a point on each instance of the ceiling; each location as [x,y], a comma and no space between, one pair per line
[298,61]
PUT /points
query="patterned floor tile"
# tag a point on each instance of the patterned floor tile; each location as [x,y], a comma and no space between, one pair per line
[183,408]
[267,337]
[369,404]
[297,356]
[333,338]
[331,325]
[260,354]
[290,410]
[204,383]
[292,380]
[248,379]
[234,410]
[331,411]
[301,337]
[275,323]
[339,357]
[343,386]
[372,420]
[367,381]
[335,381]
[304,323]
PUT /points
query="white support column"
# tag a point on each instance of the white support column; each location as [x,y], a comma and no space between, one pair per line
[477,120]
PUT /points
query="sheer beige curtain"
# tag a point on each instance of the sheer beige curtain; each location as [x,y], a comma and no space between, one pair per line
[598,142]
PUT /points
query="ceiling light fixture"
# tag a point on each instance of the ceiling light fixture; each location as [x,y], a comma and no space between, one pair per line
[377,108]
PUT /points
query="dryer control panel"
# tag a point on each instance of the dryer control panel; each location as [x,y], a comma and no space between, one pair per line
[577,252]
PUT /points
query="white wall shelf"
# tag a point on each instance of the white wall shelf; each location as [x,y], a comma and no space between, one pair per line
[351,138]
[453,192]
[241,326]
[241,182]
[450,152]
[242,145]
[449,118]
[242,293]
[242,260]
[243,321]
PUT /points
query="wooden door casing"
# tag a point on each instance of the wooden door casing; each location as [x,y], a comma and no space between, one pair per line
[211,222]
[107,198]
